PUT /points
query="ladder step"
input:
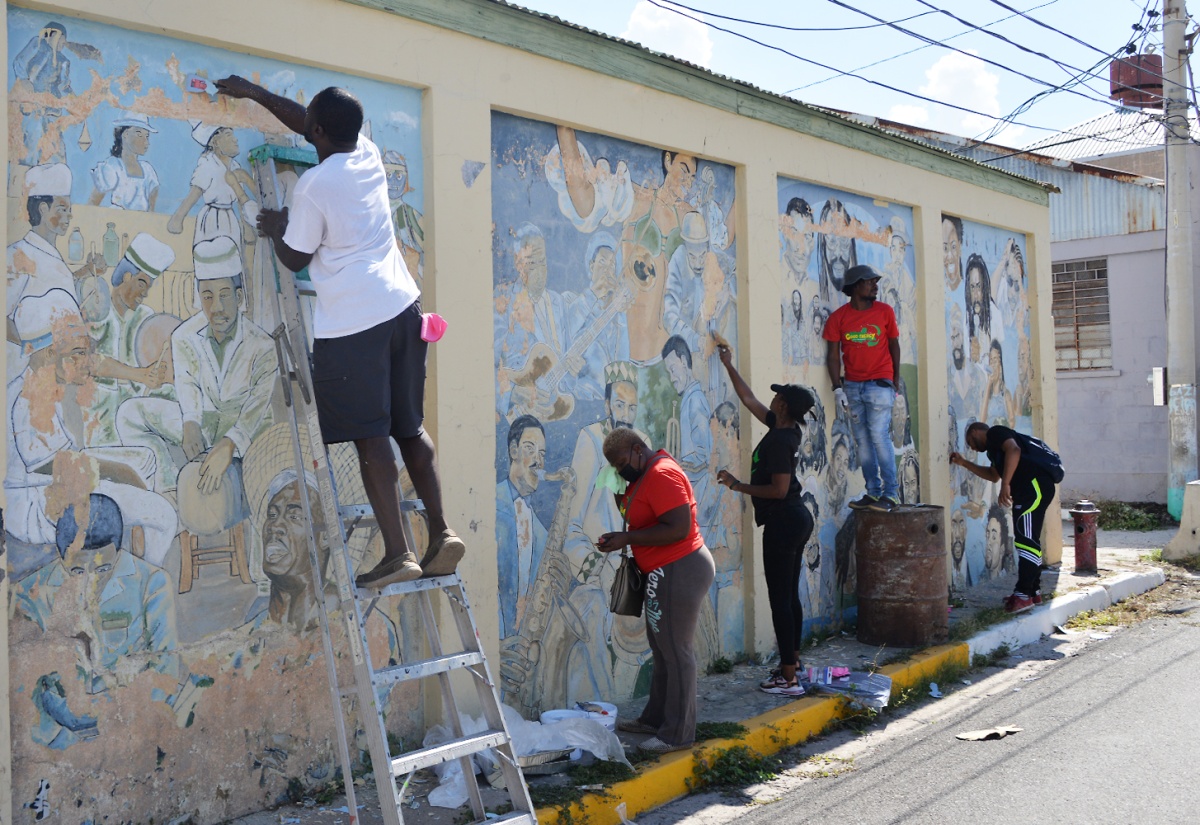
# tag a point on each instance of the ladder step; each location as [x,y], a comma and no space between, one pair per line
[363,511]
[447,751]
[514,818]
[425,668]
[404,588]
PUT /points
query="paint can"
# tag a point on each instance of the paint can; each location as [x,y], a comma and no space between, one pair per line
[549,717]
[603,712]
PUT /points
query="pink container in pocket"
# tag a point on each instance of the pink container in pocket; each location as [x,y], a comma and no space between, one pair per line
[433,327]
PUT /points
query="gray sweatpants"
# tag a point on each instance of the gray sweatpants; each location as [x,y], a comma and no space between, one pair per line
[674,595]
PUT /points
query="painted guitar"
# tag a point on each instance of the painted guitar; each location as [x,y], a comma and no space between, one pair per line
[535,385]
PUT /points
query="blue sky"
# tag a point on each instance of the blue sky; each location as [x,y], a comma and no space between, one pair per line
[934,71]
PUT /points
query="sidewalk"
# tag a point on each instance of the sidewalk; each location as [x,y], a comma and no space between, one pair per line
[775,723]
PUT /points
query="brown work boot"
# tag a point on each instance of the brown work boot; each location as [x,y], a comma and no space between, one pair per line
[391,571]
[443,555]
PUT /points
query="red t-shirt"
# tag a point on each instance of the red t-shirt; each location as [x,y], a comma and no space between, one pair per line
[864,335]
[663,488]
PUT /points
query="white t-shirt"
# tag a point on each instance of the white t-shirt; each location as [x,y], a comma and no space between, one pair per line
[340,213]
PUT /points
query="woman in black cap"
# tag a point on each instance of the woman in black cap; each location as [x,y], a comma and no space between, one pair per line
[775,493]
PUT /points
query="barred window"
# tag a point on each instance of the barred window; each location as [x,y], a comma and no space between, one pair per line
[1082,335]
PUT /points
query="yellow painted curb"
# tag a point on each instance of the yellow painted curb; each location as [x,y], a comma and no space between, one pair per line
[666,779]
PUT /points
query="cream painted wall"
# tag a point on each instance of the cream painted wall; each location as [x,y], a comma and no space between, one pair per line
[465,79]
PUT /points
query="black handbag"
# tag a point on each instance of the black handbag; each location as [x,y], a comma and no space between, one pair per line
[629,585]
[628,588]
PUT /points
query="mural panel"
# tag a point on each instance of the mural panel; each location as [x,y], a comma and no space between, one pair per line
[613,267]
[161,581]
[822,233]
[990,379]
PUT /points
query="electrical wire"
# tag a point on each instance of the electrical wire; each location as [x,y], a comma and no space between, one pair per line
[910,51]
[678,8]
[1064,66]
[818,64]
[781,27]
[1058,87]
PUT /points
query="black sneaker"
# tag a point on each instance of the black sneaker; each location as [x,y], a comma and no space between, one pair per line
[862,503]
[883,505]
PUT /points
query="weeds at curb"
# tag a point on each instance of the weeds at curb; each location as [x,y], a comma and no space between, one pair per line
[981,660]
[720,730]
[732,769]
[981,620]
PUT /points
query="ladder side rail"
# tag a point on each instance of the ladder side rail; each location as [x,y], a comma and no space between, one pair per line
[489,696]
[286,309]
[449,705]
[370,712]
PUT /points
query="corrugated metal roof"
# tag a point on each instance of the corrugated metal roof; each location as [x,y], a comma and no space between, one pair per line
[1089,201]
[1119,132]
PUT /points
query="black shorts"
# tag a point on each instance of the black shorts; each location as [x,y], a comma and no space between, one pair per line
[372,384]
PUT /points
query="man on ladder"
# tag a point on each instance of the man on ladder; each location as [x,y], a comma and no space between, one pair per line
[368,354]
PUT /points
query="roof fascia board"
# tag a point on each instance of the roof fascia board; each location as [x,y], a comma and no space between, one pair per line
[541,35]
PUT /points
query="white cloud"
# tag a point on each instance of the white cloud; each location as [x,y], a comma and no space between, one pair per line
[280,82]
[403,119]
[912,115]
[665,31]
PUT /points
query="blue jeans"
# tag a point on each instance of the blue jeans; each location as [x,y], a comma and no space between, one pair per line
[871,414]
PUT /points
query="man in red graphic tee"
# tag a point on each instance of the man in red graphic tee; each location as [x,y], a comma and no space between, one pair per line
[864,365]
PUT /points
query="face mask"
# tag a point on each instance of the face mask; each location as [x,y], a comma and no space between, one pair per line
[628,473]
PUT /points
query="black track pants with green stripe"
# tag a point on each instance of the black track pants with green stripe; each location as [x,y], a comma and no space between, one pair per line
[1030,502]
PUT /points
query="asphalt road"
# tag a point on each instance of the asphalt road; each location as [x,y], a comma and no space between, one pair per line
[1110,733]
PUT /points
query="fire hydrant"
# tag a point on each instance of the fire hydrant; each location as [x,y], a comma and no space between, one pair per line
[1085,516]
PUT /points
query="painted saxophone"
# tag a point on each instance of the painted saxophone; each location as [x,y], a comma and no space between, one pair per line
[533,662]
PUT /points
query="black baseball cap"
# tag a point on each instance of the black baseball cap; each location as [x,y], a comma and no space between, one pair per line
[799,399]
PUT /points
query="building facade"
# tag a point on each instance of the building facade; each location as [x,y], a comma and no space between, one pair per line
[586,215]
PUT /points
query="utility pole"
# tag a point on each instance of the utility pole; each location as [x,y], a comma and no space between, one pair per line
[1181,307]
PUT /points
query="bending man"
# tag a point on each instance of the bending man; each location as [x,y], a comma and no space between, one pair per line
[368,356]
[1025,487]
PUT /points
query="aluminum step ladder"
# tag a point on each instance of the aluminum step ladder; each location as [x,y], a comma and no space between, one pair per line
[356,604]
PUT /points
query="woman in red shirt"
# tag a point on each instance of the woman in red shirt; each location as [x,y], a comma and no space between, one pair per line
[660,516]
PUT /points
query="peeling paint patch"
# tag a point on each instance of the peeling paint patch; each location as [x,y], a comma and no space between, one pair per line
[470,171]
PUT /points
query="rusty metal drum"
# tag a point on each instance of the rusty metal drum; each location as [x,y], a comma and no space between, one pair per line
[902,589]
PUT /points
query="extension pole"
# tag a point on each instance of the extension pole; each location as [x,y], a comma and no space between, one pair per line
[1181,308]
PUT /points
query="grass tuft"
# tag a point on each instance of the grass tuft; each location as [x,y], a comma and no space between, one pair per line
[734,768]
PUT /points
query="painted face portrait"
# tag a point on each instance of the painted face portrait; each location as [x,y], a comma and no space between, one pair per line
[219,300]
[899,420]
[798,245]
[951,253]
[678,372]
[958,537]
[56,216]
[680,175]
[285,534]
[622,406]
[527,459]
[133,289]
[975,296]
[995,545]
[910,480]
[837,255]
[604,271]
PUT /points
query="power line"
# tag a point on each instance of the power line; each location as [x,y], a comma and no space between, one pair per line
[781,27]
[1057,87]
[829,68]
[1048,27]
[996,35]
[910,51]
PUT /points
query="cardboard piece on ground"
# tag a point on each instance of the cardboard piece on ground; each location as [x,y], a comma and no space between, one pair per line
[987,735]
